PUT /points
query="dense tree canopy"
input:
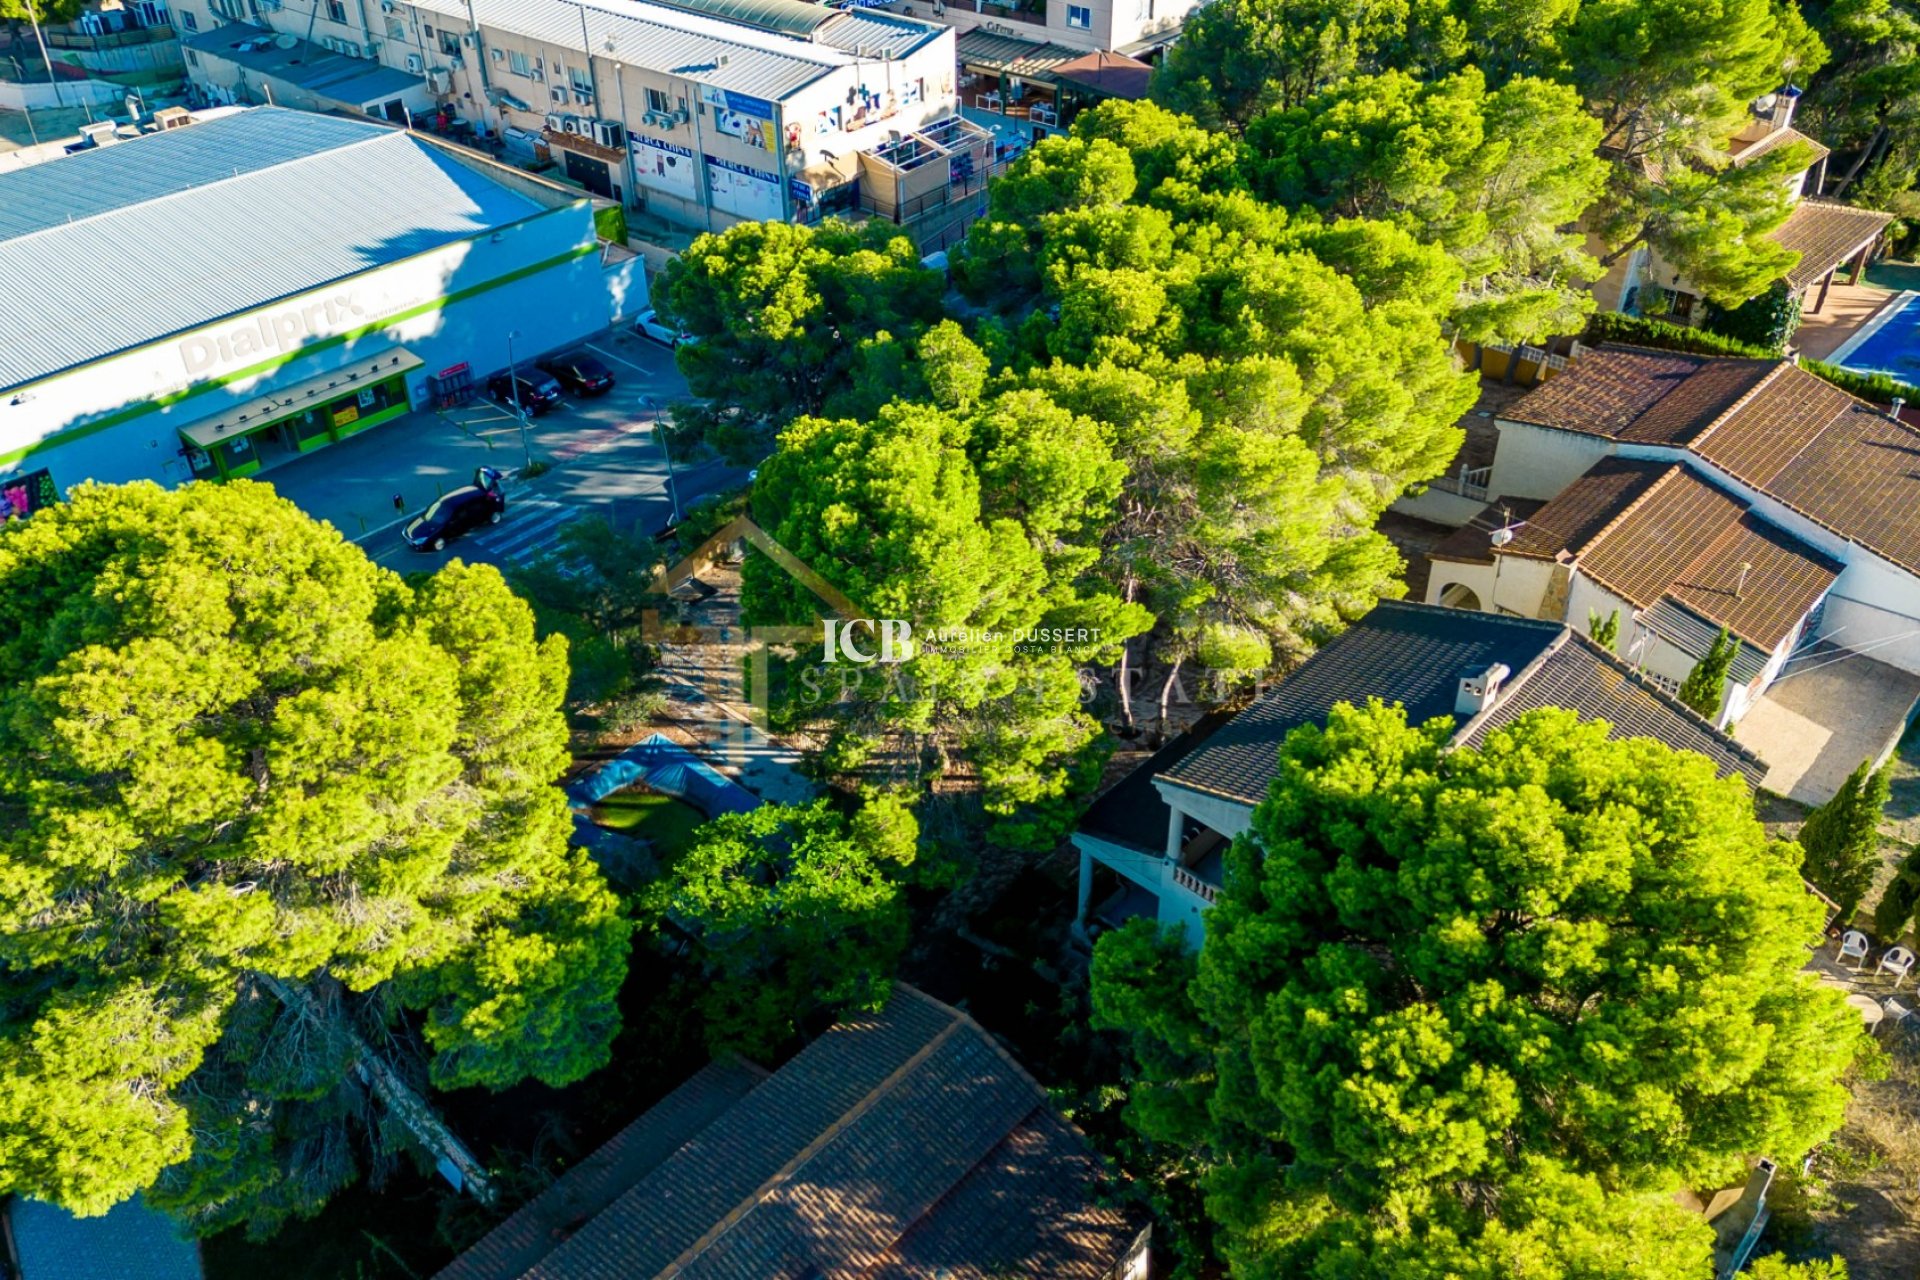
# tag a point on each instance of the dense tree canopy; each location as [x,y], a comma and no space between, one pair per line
[781,314]
[793,910]
[230,746]
[1478,1012]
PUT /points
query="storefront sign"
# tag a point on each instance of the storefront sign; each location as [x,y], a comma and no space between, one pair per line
[22,495]
[661,166]
[744,192]
[346,413]
[270,333]
[742,117]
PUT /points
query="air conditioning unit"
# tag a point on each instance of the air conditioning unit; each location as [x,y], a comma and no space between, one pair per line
[537,76]
[439,81]
[467,39]
[456,61]
[499,55]
[583,94]
[559,95]
[610,133]
[556,123]
[386,6]
[414,65]
[679,117]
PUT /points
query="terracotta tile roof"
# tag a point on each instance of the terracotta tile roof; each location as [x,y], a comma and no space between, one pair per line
[1584,509]
[1657,539]
[1647,397]
[1825,234]
[910,1121]
[1785,578]
[1472,542]
[546,1221]
[1837,460]
[1414,655]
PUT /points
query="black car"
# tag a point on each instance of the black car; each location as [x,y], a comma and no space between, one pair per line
[580,373]
[538,391]
[457,512]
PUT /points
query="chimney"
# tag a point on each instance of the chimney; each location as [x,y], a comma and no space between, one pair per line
[1784,102]
[1479,688]
[1893,410]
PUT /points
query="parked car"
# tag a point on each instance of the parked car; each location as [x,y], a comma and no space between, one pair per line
[463,509]
[539,391]
[650,325]
[579,373]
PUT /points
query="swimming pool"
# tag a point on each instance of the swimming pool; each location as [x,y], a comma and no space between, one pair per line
[1889,343]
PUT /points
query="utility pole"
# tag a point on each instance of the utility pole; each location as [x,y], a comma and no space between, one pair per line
[33,16]
[659,433]
[519,410]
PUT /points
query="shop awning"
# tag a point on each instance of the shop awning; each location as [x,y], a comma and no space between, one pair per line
[1009,55]
[257,412]
[1107,75]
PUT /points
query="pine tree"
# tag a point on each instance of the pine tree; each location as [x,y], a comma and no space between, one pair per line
[1842,838]
[1707,682]
[1605,633]
[1895,912]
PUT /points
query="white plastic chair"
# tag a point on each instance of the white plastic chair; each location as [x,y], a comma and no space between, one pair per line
[1896,1011]
[1899,962]
[1852,943]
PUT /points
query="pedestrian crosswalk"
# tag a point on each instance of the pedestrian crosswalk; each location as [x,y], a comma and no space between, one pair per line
[531,530]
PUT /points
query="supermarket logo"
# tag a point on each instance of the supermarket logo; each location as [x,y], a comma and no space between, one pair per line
[269,333]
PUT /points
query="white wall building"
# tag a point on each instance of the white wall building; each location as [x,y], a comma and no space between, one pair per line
[211,300]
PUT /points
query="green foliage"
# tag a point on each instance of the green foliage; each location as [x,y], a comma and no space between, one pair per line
[1706,685]
[232,747]
[782,314]
[1463,1013]
[1766,321]
[1774,1267]
[1495,178]
[1605,632]
[1895,910]
[1877,388]
[610,223]
[595,588]
[1664,335]
[793,910]
[1841,838]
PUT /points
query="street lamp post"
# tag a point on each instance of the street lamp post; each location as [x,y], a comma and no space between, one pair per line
[33,16]
[519,410]
[673,489]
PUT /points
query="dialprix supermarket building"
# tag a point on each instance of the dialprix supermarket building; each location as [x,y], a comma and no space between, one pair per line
[214,300]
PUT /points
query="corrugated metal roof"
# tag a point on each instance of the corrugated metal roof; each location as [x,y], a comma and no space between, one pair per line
[789,17]
[710,50]
[352,81]
[131,1240]
[161,234]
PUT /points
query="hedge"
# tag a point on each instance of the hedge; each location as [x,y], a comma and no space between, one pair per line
[1877,387]
[1617,326]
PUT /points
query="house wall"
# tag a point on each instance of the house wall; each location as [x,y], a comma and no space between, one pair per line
[1536,462]
[117,419]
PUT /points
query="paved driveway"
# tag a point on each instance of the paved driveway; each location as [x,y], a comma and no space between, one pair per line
[1830,710]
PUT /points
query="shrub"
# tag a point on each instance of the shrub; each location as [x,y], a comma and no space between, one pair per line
[1842,837]
[1766,321]
[1877,387]
[1616,326]
[1895,912]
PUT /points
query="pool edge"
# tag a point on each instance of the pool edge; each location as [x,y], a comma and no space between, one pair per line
[1874,324]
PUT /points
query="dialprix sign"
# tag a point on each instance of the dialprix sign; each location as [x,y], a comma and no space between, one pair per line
[269,333]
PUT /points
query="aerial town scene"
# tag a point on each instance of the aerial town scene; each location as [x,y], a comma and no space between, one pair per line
[959,640]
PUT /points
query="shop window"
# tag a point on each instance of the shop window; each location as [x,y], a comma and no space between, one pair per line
[520,64]
[1079,17]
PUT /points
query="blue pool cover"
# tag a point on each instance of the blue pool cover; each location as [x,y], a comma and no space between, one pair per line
[666,766]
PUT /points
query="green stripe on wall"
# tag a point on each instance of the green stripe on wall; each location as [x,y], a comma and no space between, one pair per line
[118,417]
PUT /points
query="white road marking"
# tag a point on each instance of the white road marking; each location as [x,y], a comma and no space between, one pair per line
[531,529]
[608,355]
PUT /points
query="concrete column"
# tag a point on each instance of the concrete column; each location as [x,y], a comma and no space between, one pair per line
[1086,889]
[1821,302]
[1176,820]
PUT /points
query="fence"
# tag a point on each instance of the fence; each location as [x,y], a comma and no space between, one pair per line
[1468,482]
[1527,366]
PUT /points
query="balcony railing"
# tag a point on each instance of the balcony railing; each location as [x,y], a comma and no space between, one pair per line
[1468,482]
[1195,885]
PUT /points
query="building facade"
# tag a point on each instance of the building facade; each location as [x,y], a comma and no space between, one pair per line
[700,113]
[213,300]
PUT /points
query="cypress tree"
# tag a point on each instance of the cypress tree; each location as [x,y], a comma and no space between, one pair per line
[1842,837]
[1605,633]
[1895,912]
[1707,682]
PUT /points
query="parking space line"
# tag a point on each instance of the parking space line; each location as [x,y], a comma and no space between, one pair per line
[608,355]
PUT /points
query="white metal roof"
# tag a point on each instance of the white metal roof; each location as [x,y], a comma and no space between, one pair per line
[710,50]
[126,244]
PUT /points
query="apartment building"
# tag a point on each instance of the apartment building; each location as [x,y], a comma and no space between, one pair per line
[702,113]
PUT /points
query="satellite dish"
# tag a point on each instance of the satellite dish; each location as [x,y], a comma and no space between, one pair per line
[286,42]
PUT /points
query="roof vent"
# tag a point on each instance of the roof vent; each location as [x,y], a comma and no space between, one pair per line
[1480,688]
[1899,403]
